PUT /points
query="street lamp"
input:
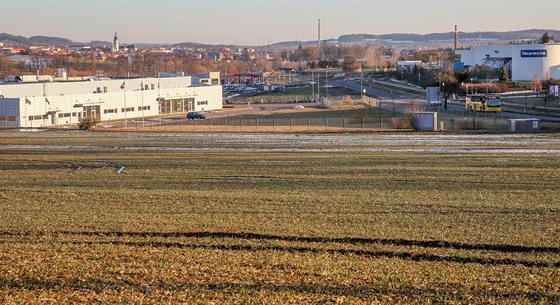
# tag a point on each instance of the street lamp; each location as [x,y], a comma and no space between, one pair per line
[290,75]
[362,77]
[419,81]
[312,85]
[443,88]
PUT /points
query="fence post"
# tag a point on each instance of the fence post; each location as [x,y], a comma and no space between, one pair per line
[326,123]
[257,123]
[362,123]
[308,124]
[291,125]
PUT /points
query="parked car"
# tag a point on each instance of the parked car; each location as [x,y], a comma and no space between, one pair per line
[195,115]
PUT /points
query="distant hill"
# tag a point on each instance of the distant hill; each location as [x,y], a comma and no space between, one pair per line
[534,34]
[20,41]
[96,43]
[51,41]
[12,40]
[514,35]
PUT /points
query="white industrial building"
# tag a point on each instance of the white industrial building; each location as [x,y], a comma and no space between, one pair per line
[527,60]
[44,104]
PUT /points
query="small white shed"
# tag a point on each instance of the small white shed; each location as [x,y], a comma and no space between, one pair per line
[426,121]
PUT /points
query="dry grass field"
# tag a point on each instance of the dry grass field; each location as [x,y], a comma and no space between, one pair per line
[211,218]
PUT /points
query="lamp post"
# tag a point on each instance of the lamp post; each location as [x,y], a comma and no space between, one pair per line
[327,84]
[443,89]
[312,85]
[362,78]
[419,81]
[393,101]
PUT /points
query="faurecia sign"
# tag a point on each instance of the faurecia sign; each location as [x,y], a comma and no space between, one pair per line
[533,53]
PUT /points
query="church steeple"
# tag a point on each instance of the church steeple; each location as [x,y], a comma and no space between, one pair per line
[115,47]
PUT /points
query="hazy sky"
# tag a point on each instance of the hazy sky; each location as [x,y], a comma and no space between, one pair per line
[252,22]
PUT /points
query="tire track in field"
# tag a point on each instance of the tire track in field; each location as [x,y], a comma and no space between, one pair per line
[417,257]
[298,249]
[344,240]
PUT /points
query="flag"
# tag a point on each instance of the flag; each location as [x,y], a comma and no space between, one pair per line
[142,85]
[27,101]
[122,86]
[47,101]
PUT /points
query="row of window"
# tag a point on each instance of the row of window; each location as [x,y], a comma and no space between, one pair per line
[142,87]
[215,81]
[38,117]
[128,109]
[75,114]
[8,118]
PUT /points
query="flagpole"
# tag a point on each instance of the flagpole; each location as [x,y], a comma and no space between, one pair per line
[124,92]
[142,84]
[26,115]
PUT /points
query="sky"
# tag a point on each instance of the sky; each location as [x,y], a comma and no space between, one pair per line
[263,22]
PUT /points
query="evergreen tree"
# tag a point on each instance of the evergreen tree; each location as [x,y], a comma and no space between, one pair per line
[504,77]
[546,38]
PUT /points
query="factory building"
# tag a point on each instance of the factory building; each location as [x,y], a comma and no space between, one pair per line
[44,104]
[525,61]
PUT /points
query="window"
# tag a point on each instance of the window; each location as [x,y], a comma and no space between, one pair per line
[143,108]
[215,81]
[200,103]
[128,109]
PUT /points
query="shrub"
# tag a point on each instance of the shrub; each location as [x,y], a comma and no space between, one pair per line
[87,123]
[411,114]
[399,123]
[470,124]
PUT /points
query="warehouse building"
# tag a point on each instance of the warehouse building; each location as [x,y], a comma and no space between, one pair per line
[525,60]
[45,104]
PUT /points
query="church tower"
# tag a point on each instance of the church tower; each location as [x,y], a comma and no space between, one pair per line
[115,47]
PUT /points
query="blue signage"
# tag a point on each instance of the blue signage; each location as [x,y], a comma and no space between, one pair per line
[533,53]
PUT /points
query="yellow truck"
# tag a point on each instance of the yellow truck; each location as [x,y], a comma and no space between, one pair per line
[484,102]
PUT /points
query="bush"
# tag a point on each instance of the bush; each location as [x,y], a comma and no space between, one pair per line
[399,123]
[87,123]
[470,124]
[411,114]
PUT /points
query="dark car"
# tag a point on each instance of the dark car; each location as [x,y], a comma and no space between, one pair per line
[195,115]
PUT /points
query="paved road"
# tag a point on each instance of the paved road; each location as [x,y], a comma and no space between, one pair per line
[402,99]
